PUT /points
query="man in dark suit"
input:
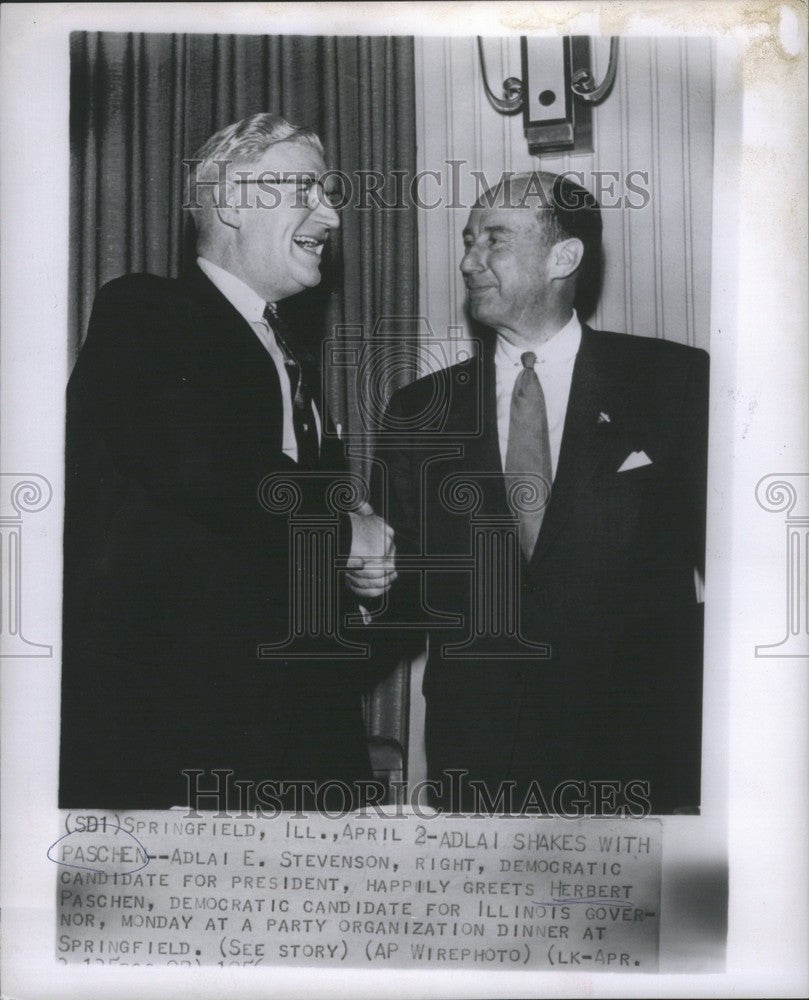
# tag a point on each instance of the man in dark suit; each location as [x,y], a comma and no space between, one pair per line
[572,678]
[185,397]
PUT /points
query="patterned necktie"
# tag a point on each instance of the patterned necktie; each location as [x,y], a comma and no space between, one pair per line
[529,471]
[303,414]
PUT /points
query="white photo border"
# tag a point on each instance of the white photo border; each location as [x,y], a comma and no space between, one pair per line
[756,706]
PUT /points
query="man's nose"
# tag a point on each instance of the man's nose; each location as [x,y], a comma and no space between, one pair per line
[323,212]
[471,262]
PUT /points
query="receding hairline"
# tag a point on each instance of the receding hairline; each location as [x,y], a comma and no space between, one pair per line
[509,195]
[245,142]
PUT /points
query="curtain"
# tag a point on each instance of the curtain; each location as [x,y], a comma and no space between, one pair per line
[141,103]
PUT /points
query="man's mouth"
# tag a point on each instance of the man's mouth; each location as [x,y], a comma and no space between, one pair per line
[311,244]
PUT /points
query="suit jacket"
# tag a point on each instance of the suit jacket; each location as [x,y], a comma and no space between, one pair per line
[610,586]
[174,572]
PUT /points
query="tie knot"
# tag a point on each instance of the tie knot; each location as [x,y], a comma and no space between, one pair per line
[270,313]
[528,359]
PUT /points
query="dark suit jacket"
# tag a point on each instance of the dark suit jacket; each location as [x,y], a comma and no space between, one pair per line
[610,586]
[174,572]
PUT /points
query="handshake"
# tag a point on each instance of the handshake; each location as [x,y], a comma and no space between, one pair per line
[371,561]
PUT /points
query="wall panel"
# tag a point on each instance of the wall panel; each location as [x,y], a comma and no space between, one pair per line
[658,120]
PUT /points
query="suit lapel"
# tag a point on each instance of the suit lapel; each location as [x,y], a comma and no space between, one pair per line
[589,439]
[236,351]
[227,327]
[482,453]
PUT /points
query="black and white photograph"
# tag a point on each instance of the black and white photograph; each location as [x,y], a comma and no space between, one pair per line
[547,541]
[415,411]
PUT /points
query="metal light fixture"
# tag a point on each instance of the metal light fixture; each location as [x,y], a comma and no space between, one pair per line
[556,92]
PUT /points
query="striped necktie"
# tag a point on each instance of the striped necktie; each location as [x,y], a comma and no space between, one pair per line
[303,414]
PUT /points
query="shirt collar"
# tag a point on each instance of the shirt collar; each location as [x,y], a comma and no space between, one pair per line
[241,296]
[562,347]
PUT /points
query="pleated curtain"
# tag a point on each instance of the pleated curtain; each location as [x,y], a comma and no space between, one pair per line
[142,103]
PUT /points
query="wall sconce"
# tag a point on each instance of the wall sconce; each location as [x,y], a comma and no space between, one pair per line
[556,92]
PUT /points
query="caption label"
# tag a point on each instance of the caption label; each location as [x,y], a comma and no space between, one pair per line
[541,893]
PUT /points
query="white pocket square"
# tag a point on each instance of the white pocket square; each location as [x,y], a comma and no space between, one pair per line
[635,461]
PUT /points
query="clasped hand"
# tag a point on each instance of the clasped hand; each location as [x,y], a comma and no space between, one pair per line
[371,562]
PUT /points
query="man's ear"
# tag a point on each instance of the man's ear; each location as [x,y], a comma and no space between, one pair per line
[565,257]
[226,206]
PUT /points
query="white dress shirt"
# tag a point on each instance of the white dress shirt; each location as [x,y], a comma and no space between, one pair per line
[554,368]
[251,306]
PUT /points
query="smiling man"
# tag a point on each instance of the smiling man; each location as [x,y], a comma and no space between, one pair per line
[593,446]
[188,393]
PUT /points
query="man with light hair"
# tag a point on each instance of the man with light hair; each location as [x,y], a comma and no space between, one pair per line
[573,681]
[186,396]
